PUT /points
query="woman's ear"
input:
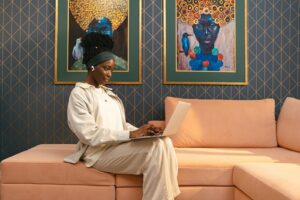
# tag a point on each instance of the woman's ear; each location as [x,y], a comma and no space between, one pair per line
[92,68]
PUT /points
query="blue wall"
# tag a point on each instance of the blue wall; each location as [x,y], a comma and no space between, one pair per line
[33,109]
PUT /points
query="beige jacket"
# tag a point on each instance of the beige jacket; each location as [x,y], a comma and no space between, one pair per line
[86,125]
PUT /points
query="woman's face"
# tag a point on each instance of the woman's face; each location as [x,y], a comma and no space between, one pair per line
[206,31]
[103,26]
[103,72]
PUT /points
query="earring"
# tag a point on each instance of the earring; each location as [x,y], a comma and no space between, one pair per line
[92,68]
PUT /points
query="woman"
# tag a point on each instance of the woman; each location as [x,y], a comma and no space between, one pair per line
[96,116]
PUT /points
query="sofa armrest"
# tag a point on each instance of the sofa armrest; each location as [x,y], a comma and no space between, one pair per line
[158,123]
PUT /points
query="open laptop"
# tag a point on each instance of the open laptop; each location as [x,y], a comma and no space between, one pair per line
[174,123]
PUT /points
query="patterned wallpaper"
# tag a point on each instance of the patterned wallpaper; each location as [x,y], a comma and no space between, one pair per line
[33,109]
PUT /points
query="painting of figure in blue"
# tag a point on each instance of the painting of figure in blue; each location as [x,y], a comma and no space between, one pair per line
[206,35]
[108,17]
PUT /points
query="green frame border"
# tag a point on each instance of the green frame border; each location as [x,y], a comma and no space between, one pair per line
[132,76]
[171,76]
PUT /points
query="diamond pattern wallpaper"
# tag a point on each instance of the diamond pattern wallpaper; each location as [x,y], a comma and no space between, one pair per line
[33,109]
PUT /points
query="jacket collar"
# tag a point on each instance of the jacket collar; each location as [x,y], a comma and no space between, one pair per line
[86,86]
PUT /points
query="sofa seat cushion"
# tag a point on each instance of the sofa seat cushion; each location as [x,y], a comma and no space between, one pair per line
[214,166]
[44,164]
[56,192]
[225,123]
[239,195]
[187,193]
[261,181]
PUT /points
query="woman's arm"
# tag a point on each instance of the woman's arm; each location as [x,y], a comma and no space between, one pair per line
[130,127]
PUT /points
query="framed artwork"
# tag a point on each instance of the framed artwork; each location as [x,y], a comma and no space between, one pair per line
[205,42]
[120,19]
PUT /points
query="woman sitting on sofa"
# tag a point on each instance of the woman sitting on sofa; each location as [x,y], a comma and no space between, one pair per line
[96,116]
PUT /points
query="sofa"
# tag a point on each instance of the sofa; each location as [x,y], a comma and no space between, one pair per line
[226,150]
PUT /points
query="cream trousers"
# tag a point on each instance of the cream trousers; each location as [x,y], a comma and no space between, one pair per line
[154,158]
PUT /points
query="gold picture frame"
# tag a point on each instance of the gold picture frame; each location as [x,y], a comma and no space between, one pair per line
[63,74]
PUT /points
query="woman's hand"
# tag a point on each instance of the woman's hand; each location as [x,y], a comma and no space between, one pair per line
[145,130]
[156,130]
[142,131]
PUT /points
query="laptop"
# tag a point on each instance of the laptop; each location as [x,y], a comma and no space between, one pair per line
[174,123]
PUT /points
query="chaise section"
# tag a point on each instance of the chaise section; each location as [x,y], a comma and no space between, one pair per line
[261,181]
[42,169]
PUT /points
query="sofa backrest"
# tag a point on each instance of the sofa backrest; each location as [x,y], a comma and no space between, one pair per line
[225,123]
[288,125]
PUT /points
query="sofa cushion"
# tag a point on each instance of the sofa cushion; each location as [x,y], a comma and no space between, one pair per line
[213,166]
[187,193]
[261,181]
[44,164]
[239,195]
[225,123]
[288,126]
[56,192]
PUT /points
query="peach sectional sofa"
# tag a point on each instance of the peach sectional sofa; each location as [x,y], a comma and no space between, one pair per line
[226,149]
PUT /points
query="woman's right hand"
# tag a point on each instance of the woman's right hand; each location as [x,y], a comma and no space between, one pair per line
[144,130]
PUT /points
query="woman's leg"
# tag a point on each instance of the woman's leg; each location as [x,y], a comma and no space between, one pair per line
[154,158]
[173,170]
[160,173]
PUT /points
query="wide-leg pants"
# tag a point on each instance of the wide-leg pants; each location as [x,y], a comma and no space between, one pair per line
[155,158]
